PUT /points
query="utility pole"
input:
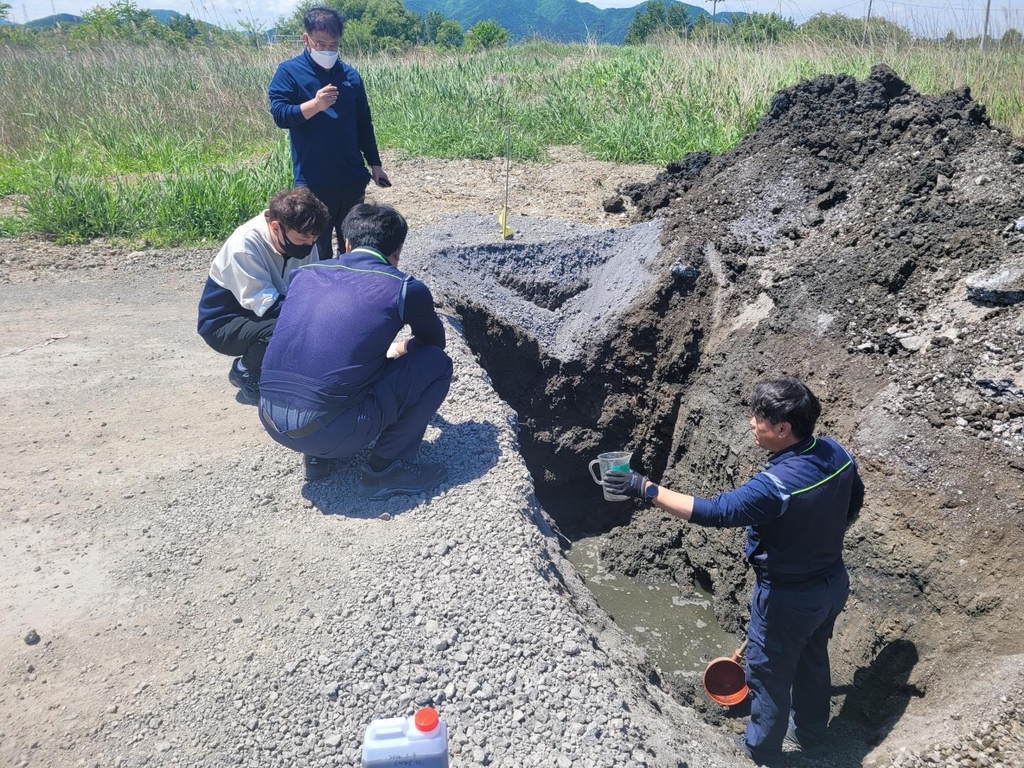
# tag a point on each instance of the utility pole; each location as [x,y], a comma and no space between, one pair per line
[867,20]
[984,32]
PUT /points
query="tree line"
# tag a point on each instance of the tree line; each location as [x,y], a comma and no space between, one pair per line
[369,25]
[389,25]
[660,19]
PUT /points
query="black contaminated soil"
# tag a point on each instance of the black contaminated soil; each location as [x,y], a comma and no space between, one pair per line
[868,239]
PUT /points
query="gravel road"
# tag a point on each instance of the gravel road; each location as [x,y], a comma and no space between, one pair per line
[197,603]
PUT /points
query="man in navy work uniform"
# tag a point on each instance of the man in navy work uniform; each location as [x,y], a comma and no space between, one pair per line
[797,511]
[321,101]
[329,387]
[248,282]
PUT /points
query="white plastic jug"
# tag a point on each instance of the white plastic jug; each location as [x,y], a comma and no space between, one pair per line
[420,740]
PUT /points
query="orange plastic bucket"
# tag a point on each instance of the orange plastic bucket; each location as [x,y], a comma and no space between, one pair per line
[725,681]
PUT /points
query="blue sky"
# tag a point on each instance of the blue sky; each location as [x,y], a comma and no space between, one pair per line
[931,17]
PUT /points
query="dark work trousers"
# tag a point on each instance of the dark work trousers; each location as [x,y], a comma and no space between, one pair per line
[339,201]
[787,659]
[245,338]
[395,412]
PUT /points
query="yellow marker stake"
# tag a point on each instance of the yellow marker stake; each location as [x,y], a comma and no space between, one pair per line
[506,230]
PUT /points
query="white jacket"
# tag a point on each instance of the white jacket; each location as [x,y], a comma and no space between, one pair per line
[249,267]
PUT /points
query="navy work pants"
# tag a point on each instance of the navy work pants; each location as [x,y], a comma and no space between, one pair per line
[787,660]
[395,412]
[339,201]
[245,338]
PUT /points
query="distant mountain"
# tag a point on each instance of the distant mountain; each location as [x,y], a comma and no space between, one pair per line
[51,21]
[564,20]
[164,15]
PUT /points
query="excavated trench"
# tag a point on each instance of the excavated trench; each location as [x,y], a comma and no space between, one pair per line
[865,238]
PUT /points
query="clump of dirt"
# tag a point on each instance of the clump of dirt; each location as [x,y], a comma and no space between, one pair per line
[867,239]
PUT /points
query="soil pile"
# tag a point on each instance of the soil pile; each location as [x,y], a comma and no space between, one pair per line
[869,240]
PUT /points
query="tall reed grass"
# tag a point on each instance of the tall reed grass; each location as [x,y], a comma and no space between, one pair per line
[174,146]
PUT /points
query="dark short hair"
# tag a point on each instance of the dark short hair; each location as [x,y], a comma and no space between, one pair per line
[320,19]
[299,210]
[788,400]
[375,225]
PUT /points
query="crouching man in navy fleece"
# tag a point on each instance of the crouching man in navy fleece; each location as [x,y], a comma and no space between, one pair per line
[329,388]
[798,510]
[249,279]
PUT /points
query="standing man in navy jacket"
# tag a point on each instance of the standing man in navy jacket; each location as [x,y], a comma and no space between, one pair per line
[333,380]
[797,510]
[321,101]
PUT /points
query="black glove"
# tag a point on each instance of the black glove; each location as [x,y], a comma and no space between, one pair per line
[625,483]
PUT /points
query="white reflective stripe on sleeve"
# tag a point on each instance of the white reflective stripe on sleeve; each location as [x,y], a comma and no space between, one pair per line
[783,494]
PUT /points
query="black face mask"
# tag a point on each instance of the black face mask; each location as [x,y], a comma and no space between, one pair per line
[294,250]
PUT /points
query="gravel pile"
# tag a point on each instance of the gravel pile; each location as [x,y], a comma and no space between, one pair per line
[995,743]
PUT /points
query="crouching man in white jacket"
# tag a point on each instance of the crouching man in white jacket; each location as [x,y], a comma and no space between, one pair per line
[249,279]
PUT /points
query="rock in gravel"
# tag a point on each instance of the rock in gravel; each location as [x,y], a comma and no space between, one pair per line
[614,204]
[32,637]
[1003,284]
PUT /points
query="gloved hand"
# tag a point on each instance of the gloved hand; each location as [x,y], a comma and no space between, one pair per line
[625,483]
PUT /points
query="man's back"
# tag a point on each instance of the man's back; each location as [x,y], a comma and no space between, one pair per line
[332,338]
[823,493]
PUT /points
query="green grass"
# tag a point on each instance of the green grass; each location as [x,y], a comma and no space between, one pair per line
[173,146]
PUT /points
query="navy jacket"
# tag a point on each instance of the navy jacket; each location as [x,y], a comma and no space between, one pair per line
[328,150]
[331,340]
[798,510]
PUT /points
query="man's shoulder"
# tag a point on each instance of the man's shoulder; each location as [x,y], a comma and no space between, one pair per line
[294,65]
[351,73]
[415,285]
[250,235]
[834,447]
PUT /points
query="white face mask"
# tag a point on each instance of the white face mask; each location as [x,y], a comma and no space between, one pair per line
[325,59]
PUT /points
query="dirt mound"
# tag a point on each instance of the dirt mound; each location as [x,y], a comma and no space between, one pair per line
[867,239]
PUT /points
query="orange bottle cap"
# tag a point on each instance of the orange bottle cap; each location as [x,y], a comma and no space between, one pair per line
[426,720]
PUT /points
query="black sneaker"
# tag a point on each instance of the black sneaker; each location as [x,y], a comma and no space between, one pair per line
[808,749]
[317,468]
[248,383]
[401,477]
[769,761]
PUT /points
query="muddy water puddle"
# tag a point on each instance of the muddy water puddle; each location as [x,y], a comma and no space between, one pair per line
[679,631]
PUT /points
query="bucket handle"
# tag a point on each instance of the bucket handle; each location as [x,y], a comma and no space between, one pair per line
[738,653]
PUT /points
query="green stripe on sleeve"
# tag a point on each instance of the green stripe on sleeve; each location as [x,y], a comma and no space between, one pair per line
[823,481]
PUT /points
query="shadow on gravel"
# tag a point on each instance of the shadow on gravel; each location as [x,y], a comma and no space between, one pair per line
[469,449]
[875,701]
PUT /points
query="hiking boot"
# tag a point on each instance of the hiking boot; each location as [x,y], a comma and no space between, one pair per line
[317,468]
[770,761]
[401,477]
[808,749]
[248,383]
